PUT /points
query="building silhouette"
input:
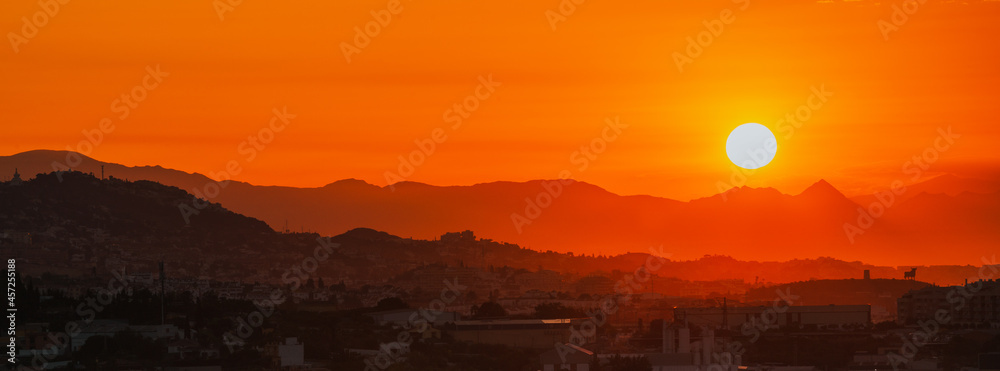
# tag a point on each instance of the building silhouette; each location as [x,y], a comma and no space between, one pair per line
[970,305]
[16,181]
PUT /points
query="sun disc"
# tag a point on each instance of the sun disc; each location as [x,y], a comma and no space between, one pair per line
[751,146]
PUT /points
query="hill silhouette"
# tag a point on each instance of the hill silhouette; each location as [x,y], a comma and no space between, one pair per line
[746,223]
[129,208]
[73,213]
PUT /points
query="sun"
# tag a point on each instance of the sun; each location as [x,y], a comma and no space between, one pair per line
[751,146]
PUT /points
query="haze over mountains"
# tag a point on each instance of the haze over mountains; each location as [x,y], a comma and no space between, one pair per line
[75,221]
[945,220]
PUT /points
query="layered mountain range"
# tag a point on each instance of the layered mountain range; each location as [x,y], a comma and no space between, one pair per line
[944,220]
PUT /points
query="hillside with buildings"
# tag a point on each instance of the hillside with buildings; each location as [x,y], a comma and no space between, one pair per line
[72,232]
[570,216]
[75,224]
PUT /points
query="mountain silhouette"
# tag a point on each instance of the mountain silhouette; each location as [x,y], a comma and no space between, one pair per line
[137,220]
[745,223]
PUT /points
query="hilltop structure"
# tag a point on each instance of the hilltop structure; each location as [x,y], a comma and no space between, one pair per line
[16,181]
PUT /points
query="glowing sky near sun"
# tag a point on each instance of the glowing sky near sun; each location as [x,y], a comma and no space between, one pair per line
[553,91]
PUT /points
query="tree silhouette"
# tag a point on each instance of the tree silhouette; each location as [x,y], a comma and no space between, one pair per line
[391,304]
[488,309]
[556,310]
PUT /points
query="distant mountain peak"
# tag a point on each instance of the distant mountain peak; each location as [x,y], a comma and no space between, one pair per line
[823,189]
[822,183]
[348,181]
[53,155]
[351,185]
[408,184]
[367,234]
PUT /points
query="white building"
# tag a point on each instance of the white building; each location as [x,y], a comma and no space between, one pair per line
[289,354]
[567,357]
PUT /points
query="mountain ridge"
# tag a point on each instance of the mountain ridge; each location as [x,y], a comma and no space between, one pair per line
[132,219]
[55,156]
[584,218]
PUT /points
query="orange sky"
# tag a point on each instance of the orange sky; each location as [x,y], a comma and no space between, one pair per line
[607,59]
